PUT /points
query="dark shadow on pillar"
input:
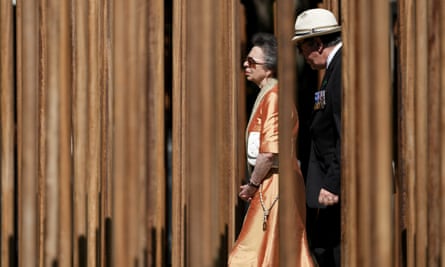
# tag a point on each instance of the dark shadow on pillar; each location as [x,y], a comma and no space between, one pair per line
[151,259]
[108,242]
[98,240]
[223,252]
[83,252]
[145,256]
[240,211]
[12,252]
[153,246]
[185,227]
[165,248]
[403,248]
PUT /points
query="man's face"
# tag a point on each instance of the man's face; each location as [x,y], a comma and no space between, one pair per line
[312,51]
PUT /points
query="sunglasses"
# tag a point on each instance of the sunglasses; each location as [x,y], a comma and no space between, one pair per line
[310,42]
[252,63]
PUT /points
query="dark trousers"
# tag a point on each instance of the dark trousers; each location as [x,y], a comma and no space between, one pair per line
[327,257]
[323,227]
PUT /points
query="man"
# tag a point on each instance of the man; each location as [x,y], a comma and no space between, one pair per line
[318,38]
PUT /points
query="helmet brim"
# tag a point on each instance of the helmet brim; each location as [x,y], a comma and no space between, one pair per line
[309,34]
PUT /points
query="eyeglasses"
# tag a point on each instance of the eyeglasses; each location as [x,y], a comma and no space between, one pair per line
[252,63]
[300,44]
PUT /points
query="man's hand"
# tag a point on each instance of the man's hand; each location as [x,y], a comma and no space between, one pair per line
[327,198]
[247,192]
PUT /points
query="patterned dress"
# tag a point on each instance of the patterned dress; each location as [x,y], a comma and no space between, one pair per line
[257,244]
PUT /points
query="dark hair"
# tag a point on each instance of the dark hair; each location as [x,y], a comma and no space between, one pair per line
[331,39]
[268,43]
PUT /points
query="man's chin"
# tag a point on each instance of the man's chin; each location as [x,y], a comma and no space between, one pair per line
[316,67]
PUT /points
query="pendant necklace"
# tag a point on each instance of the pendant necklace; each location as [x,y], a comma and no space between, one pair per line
[263,206]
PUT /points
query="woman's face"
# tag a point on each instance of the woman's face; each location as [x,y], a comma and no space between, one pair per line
[254,67]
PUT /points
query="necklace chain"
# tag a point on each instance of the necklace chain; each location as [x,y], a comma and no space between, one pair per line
[263,206]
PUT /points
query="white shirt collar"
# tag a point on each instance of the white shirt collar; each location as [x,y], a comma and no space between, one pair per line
[332,54]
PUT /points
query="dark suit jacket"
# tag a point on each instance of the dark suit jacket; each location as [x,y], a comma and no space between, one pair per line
[325,131]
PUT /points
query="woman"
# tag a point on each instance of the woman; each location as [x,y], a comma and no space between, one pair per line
[257,244]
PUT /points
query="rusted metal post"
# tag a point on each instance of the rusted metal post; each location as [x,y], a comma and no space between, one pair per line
[367,136]
[27,130]
[291,186]
[7,138]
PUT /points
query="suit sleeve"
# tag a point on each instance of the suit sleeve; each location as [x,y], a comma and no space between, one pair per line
[333,176]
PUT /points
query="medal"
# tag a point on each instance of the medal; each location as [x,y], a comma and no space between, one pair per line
[320,100]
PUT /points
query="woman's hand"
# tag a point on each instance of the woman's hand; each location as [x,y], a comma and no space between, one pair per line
[247,192]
